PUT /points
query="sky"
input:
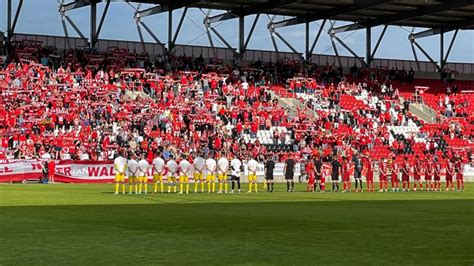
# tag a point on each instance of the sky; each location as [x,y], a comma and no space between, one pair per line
[41,17]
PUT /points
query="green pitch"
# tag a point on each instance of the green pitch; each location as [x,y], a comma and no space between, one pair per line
[87,224]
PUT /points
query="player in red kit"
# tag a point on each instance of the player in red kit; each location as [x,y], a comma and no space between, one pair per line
[383,175]
[437,175]
[406,169]
[450,172]
[370,174]
[51,171]
[346,178]
[429,174]
[418,169]
[459,174]
[394,168]
[311,177]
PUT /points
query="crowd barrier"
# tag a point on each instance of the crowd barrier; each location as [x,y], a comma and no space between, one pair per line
[103,172]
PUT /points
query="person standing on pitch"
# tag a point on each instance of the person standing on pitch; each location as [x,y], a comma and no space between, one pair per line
[120,166]
[335,173]
[222,168]
[358,166]
[199,173]
[346,174]
[449,175]
[406,175]
[395,168]
[370,174]
[143,175]
[429,171]
[319,173]
[269,167]
[184,169]
[132,176]
[437,175]
[459,174]
[158,169]
[172,167]
[252,174]
[417,171]
[289,171]
[211,174]
[236,165]
[383,175]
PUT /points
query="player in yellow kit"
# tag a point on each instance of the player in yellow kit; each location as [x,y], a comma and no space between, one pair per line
[120,166]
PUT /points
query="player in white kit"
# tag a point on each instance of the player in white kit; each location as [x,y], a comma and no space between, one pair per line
[211,165]
[222,168]
[143,175]
[120,166]
[158,173]
[236,166]
[199,173]
[132,175]
[172,167]
[252,174]
[185,171]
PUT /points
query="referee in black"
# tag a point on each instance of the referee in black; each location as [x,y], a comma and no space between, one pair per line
[269,167]
[335,173]
[289,171]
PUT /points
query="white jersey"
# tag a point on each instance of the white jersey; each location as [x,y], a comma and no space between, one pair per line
[222,166]
[172,167]
[143,167]
[236,165]
[200,165]
[185,167]
[252,167]
[211,166]
[158,165]
[120,164]
[132,167]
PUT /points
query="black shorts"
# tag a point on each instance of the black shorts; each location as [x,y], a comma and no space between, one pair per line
[289,176]
[335,177]
[318,177]
[357,175]
[269,176]
[234,178]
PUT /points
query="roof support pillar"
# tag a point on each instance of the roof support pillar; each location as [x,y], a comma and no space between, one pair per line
[368,46]
[241,35]
[93,24]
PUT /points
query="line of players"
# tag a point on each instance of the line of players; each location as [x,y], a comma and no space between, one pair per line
[430,170]
[180,171]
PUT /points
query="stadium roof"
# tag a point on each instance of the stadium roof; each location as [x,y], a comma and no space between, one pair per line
[448,14]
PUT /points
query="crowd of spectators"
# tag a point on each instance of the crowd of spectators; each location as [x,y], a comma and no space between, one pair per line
[85,105]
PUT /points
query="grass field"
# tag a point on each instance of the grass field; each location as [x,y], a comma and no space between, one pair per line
[87,224]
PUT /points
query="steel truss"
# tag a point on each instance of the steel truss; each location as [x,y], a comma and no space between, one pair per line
[259,8]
